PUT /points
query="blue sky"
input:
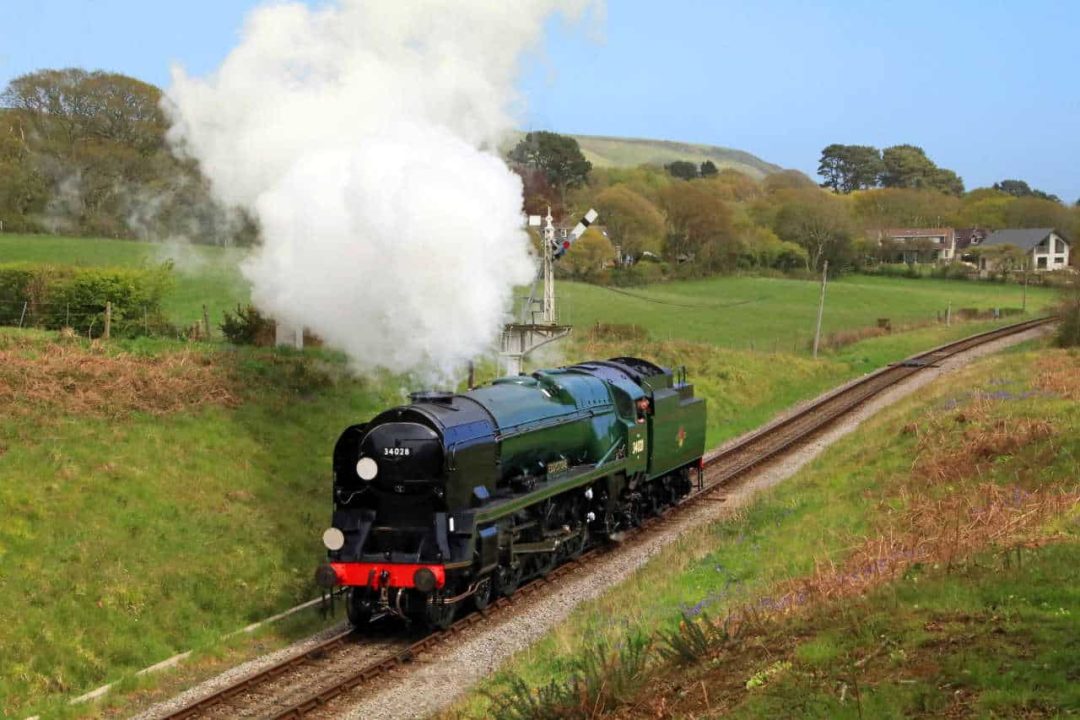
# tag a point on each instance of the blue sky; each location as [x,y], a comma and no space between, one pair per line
[989,89]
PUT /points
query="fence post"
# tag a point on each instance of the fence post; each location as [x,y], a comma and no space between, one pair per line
[23,316]
[821,307]
[108,320]
[206,322]
[948,315]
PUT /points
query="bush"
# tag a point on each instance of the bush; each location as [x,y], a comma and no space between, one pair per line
[598,680]
[1068,334]
[58,296]
[248,327]
[953,271]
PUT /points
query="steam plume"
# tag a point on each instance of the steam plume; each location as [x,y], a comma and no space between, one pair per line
[362,136]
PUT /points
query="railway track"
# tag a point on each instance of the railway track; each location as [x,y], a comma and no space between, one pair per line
[308,681]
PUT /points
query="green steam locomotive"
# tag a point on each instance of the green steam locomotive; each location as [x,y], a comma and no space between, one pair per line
[455,499]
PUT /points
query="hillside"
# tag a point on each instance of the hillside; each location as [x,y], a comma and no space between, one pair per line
[618,152]
[604,151]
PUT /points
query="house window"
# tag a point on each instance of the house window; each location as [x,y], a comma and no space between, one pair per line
[1040,263]
[1059,261]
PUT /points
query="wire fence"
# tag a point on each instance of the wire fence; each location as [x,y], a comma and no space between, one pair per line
[98,320]
[94,321]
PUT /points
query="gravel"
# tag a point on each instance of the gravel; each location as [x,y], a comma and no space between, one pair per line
[233,674]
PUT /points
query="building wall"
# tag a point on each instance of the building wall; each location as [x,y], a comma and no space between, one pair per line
[1051,254]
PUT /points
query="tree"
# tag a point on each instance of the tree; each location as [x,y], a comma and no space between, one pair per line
[1016,188]
[819,223]
[786,180]
[588,256]
[538,194]
[1033,212]
[23,190]
[946,181]
[558,156]
[699,227]
[682,169]
[632,222]
[708,169]
[847,168]
[984,208]
[907,166]
[1019,188]
[902,207]
[762,248]
[76,105]
[733,186]
[1001,258]
[92,159]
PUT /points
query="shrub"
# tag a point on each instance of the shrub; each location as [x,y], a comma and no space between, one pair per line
[598,680]
[1068,334]
[247,327]
[58,296]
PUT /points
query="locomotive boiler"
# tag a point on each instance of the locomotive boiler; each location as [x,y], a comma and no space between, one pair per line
[455,499]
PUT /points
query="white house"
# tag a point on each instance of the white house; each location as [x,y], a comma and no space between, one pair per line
[914,244]
[1045,248]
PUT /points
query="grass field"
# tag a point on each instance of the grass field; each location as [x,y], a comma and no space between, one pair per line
[733,312]
[160,494]
[780,313]
[997,453]
[205,274]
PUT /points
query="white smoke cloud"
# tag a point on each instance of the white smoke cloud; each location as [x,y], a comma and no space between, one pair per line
[362,136]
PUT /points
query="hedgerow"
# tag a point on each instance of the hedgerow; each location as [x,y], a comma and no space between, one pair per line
[59,296]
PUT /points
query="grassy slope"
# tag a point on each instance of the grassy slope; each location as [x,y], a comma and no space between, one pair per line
[817,518]
[205,274]
[631,152]
[735,311]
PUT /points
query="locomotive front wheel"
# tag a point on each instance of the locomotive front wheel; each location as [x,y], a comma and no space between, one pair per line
[357,608]
[441,615]
[482,597]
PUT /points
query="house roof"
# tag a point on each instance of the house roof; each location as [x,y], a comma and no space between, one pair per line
[966,237]
[917,232]
[1025,239]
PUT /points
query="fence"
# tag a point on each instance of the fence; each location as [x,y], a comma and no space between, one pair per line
[95,321]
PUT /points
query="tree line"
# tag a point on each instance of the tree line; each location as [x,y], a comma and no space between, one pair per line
[680,219]
[847,168]
[86,153]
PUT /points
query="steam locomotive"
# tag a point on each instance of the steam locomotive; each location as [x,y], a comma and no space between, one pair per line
[455,499]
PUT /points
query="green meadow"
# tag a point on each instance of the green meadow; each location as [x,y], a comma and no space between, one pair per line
[158,495]
[773,314]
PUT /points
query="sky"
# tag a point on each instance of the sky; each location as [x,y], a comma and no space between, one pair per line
[989,88]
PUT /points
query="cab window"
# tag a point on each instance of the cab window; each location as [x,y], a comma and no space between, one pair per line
[624,405]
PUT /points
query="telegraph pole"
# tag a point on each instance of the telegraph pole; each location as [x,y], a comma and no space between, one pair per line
[821,307]
[1023,306]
